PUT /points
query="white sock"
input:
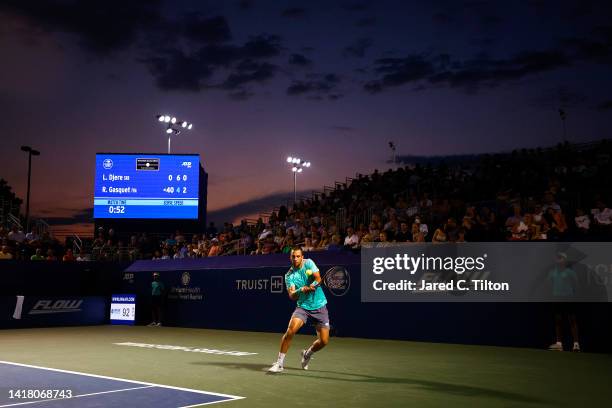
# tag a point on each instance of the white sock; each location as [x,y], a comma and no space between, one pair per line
[576,344]
[309,352]
[281,358]
[559,343]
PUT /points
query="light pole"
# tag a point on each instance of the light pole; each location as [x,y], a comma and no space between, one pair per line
[31,152]
[393,157]
[297,166]
[174,126]
[563,115]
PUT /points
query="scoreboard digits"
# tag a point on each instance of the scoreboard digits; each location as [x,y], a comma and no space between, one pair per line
[146,186]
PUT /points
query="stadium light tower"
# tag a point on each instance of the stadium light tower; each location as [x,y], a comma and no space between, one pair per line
[173,126]
[297,166]
[31,152]
[563,116]
[393,156]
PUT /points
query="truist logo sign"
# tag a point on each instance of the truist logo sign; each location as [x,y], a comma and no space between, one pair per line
[47,306]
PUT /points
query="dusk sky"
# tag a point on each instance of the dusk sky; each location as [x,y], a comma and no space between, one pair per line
[332,82]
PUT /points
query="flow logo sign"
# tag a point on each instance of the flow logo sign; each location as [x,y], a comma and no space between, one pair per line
[47,306]
[276,284]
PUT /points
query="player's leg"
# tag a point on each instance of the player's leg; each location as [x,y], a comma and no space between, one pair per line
[574,328]
[295,323]
[558,345]
[322,323]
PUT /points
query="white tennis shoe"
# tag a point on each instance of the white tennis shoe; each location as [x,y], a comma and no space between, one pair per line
[305,359]
[276,368]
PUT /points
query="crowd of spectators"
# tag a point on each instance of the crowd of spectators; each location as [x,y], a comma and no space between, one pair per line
[558,194]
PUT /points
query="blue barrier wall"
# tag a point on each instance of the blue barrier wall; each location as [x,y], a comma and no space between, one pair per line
[44,311]
[242,293]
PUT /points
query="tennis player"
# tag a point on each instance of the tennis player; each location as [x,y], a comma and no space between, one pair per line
[303,282]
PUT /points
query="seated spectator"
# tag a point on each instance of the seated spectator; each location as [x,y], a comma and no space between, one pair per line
[451,229]
[324,241]
[307,247]
[5,253]
[215,248]
[602,215]
[336,244]
[165,253]
[266,231]
[583,222]
[38,256]
[403,234]
[288,245]
[81,257]
[461,236]
[439,236]
[351,240]
[51,255]
[269,246]
[68,256]
[514,219]
[16,235]
[32,236]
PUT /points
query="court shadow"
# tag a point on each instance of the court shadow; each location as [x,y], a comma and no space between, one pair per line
[433,386]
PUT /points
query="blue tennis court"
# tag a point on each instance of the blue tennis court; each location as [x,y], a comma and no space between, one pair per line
[18,381]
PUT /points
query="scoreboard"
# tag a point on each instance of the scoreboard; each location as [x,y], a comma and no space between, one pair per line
[146,186]
[123,309]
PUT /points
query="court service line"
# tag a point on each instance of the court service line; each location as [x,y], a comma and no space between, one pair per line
[76,396]
[123,379]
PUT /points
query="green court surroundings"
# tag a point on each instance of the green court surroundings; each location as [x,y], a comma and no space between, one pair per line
[350,372]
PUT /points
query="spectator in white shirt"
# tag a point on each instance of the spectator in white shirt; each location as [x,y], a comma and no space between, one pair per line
[583,222]
[16,235]
[352,239]
[601,214]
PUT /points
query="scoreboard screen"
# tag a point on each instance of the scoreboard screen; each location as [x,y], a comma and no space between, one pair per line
[146,186]
[123,309]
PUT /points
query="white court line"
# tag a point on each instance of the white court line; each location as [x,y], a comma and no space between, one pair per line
[125,380]
[76,396]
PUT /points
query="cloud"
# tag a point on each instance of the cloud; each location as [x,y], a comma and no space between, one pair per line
[316,86]
[300,60]
[366,22]
[559,97]
[253,206]
[470,74]
[245,4]
[241,95]
[443,18]
[176,70]
[102,27]
[249,71]
[79,216]
[399,71]
[293,12]
[358,48]
[343,128]
[204,30]
[605,105]
[363,6]
[182,53]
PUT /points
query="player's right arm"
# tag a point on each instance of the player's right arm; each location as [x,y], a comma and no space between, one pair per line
[293,293]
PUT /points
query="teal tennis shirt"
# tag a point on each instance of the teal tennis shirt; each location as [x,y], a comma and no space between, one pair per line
[157,288]
[563,281]
[298,278]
